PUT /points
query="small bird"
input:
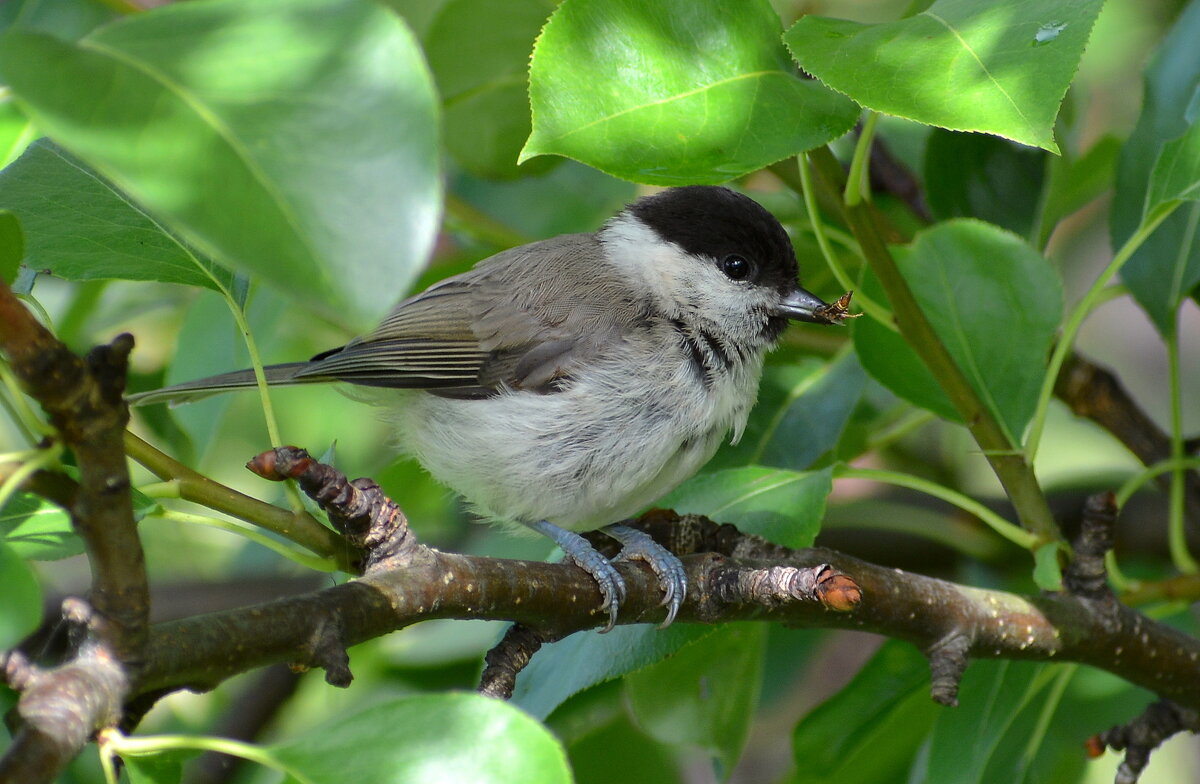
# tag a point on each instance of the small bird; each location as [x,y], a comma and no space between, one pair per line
[567,384]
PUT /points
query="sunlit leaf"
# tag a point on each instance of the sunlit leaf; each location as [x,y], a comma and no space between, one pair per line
[82,228]
[674,91]
[293,139]
[999,68]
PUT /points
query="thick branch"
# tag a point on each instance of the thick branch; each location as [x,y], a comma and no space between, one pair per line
[559,598]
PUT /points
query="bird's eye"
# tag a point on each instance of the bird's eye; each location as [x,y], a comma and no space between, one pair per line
[736,267]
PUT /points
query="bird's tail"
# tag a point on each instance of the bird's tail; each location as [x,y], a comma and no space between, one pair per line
[277,375]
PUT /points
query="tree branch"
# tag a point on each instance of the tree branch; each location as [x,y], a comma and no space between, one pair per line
[59,709]
[1093,392]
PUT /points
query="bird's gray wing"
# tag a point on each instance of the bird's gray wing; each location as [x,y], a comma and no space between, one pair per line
[511,322]
[522,319]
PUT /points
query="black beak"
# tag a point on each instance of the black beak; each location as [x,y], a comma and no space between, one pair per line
[802,305]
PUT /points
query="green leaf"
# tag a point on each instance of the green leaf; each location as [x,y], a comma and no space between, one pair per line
[996,304]
[66,19]
[783,506]
[1047,573]
[640,759]
[429,739]
[674,91]
[12,246]
[999,68]
[292,139]
[983,739]
[974,176]
[486,106]
[801,412]
[704,695]
[82,228]
[1167,265]
[37,529]
[21,610]
[584,659]
[868,732]
[1176,173]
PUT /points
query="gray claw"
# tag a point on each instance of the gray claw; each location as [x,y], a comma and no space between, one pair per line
[640,546]
[586,557]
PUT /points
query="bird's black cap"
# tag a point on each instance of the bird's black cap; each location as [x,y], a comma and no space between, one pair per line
[713,221]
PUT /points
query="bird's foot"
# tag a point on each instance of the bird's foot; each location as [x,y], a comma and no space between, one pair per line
[640,546]
[579,550]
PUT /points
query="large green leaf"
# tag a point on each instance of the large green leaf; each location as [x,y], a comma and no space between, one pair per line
[704,695]
[991,735]
[783,506]
[584,659]
[674,91]
[1167,265]
[82,228]
[429,739]
[294,139]
[870,730]
[995,303]
[486,106]
[965,65]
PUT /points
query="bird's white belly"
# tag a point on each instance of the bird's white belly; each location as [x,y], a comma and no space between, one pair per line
[582,458]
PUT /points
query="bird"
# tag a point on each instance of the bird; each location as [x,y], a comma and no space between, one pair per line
[567,384]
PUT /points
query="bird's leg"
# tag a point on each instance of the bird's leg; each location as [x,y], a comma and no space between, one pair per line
[579,550]
[640,546]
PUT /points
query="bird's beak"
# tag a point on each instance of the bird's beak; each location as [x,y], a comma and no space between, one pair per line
[803,305]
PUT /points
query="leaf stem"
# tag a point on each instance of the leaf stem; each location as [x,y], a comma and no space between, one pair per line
[873,309]
[1013,470]
[246,531]
[299,527]
[1176,532]
[1012,533]
[156,744]
[857,186]
[1136,482]
[1092,299]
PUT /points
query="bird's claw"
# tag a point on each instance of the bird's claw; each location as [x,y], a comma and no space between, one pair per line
[672,578]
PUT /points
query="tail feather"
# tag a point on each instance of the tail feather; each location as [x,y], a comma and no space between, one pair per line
[277,375]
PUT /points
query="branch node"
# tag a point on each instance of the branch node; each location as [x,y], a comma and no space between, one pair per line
[1143,735]
[509,656]
[947,663]
[1086,576]
[18,672]
[775,586]
[359,510]
[326,649]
